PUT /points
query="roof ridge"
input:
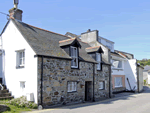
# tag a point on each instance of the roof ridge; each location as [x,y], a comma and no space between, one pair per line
[48,31]
[66,40]
[93,47]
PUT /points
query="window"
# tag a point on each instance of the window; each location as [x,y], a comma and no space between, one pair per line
[74,55]
[20,58]
[98,59]
[72,86]
[117,63]
[22,85]
[102,85]
[118,81]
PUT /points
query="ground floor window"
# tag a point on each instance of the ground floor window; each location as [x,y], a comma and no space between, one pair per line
[118,81]
[102,85]
[72,86]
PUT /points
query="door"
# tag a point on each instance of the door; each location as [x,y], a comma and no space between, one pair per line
[88,90]
[0,80]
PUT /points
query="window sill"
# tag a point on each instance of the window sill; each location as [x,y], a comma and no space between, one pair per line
[101,89]
[99,70]
[118,86]
[72,92]
[117,68]
[74,67]
[19,67]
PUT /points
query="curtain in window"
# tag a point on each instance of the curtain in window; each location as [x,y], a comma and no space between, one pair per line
[98,59]
[74,55]
[72,86]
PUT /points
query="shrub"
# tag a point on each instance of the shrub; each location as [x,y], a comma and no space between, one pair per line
[145,82]
[22,103]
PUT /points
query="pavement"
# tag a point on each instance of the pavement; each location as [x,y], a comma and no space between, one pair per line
[125,102]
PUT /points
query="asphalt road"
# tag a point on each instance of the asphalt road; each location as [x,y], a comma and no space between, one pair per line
[135,103]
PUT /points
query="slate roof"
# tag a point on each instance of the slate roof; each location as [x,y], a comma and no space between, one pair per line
[74,35]
[45,42]
[92,49]
[116,54]
[146,68]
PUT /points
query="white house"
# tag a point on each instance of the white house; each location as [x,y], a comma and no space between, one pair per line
[146,74]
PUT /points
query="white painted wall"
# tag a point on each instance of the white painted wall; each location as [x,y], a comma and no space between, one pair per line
[130,73]
[12,41]
[1,65]
[107,43]
[116,71]
[148,77]
[140,78]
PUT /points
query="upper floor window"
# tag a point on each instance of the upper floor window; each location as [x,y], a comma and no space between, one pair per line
[117,63]
[98,59]
[20,58]
[74,55]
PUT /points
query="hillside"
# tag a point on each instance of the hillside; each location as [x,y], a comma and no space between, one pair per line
[144,62]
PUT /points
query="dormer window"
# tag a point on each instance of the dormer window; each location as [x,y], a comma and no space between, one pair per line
[98,59]
[74,55]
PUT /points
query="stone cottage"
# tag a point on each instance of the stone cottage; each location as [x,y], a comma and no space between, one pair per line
[51,68]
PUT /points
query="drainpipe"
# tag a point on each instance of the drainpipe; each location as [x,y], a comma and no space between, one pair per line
[138,78]
[93,81]
[110,85]
[41,106]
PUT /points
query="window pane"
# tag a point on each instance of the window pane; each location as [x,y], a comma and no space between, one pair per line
[72,86]
[97,56]
[118,81]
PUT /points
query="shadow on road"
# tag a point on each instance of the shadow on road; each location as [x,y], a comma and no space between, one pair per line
[120,96]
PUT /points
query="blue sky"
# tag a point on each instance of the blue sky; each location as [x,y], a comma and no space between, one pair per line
[127,23]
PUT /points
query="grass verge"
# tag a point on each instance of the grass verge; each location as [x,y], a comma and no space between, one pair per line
[12,108]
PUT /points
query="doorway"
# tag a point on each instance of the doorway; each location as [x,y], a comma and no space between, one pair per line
[88,91]
[0,80]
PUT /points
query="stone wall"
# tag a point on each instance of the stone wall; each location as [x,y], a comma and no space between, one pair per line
[102,76]
[57,73]
[119,89]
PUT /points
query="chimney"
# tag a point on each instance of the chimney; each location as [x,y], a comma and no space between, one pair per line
[15,12]
[88,30]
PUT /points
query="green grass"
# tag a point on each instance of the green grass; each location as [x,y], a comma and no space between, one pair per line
[12,108]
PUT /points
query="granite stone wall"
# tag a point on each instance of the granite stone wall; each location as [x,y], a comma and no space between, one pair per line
[119,89]
[57,73]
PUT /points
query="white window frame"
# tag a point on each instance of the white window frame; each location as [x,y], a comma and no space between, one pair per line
[121,85]
[98,61]
[120,61]
[20,58]
[102,85]
[22,85]
[74,56]
[72,86]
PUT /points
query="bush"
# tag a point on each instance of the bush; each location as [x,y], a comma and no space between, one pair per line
[22,103]
[145,82]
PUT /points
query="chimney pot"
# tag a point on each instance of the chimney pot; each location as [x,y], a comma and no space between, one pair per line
[88,30]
